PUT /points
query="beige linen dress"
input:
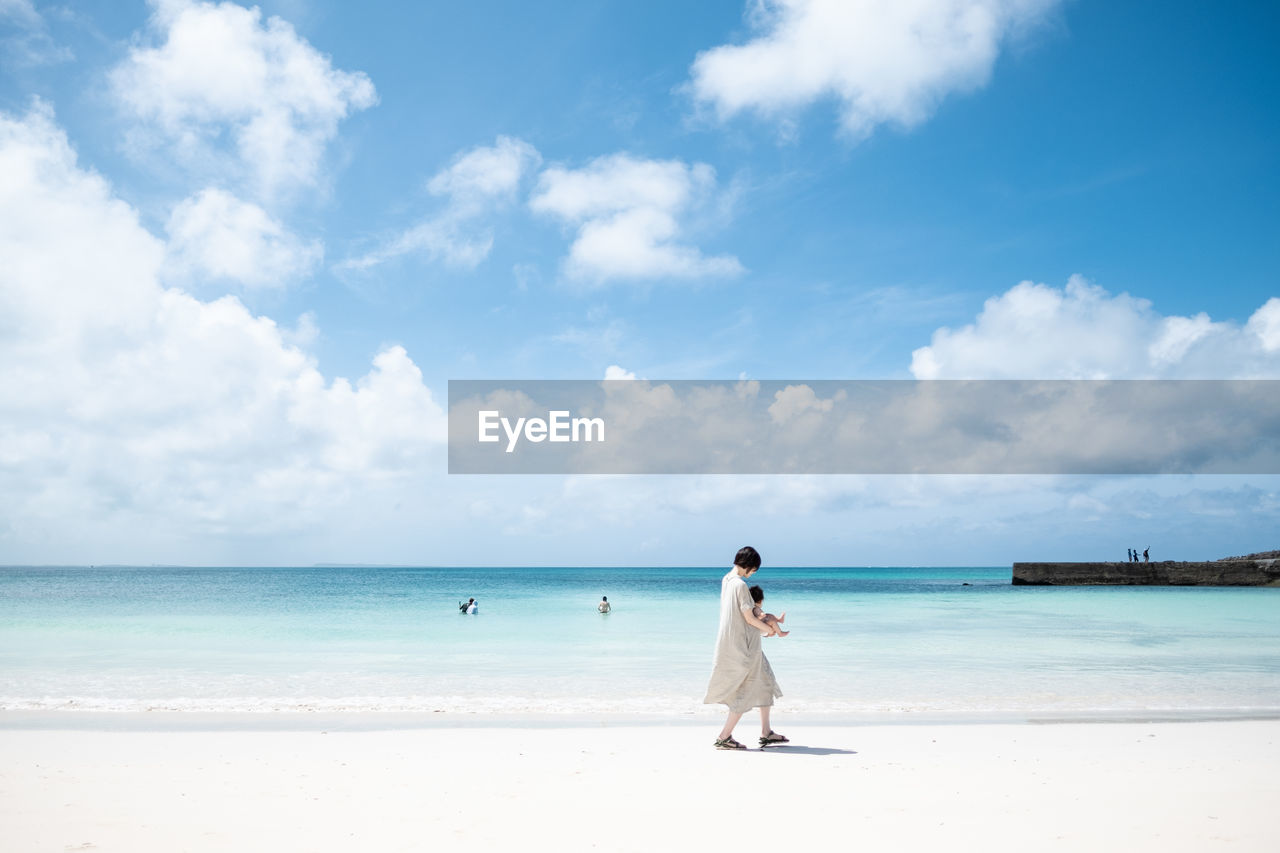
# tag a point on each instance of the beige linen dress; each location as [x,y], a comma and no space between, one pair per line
[741,677]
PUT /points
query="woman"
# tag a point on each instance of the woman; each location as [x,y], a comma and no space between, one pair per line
[741,677]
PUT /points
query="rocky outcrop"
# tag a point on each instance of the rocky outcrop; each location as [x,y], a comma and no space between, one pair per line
[1167,573]
[1261,555]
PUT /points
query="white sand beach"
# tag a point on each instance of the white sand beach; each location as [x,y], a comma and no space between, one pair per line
[317,785]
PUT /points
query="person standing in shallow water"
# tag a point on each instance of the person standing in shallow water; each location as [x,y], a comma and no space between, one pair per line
[741,677]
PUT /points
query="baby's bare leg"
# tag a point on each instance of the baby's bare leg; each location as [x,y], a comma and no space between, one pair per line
[772,621]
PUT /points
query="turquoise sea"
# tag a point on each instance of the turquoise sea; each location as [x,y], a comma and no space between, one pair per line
[864,641]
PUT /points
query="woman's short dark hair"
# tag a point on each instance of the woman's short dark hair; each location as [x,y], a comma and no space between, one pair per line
[748,558]
[757,594]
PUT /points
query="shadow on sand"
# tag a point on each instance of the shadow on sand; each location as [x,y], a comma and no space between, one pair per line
[792,749]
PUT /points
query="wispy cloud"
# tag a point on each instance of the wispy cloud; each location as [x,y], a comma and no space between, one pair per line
[478,182]
[24,37]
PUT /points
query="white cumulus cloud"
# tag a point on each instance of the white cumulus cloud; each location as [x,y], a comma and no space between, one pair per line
[1035,331]
[214,235]
[616,372]
[628,214]
[478,182]
[797,400]
[884,61]
[1265,325]
[132,406]
[227,93]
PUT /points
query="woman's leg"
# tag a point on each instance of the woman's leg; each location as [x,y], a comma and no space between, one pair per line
[729,723]
[766,730]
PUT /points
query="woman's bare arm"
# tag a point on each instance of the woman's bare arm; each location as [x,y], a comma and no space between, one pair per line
[758,624]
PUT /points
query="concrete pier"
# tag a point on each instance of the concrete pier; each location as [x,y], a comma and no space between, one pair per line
[1167,573]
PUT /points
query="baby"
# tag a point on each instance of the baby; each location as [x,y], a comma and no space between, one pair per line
[757,595]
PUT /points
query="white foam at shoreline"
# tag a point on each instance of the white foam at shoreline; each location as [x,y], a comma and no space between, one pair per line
[646,706]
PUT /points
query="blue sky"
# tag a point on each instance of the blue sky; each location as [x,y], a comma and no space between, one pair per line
[248,247]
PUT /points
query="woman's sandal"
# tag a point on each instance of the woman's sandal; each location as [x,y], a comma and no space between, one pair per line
[773,737]
[729,743]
